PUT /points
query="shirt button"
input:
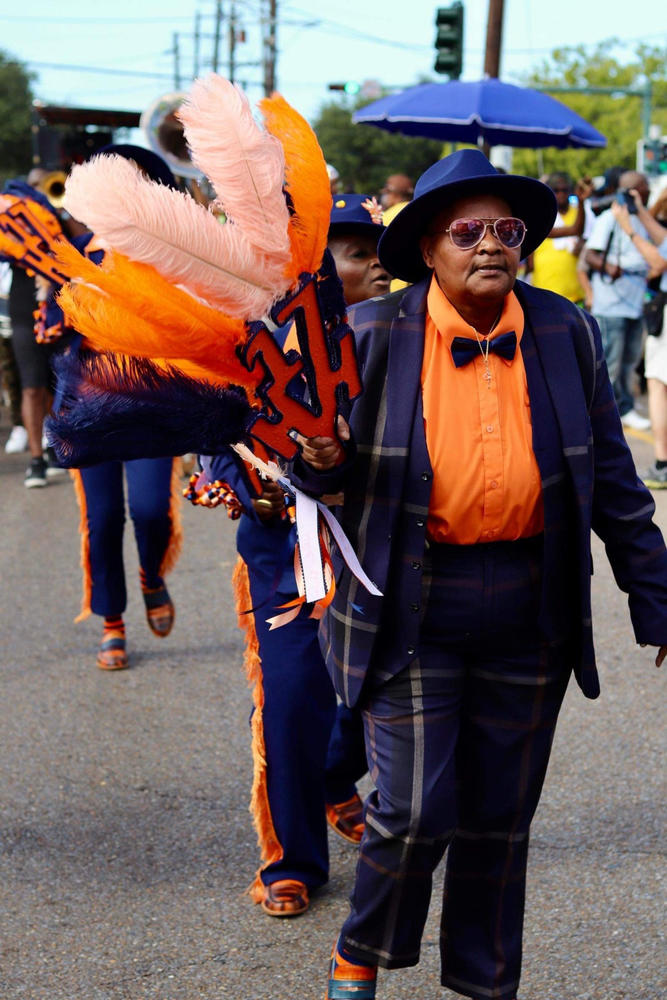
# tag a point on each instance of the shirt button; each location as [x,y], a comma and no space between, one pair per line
[489,428]
[420,523]
[416,565]
[426,476]
[493,484]
[411,650]
[414,607]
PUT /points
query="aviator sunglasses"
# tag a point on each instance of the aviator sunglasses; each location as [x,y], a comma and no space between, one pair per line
[467,233]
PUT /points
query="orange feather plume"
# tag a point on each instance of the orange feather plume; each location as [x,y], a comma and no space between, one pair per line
[128,308]
[306,180]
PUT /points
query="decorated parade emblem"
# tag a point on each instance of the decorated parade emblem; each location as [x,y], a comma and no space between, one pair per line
[302,392]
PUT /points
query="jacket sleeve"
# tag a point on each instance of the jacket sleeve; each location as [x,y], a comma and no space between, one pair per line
[229,468]
[622,515]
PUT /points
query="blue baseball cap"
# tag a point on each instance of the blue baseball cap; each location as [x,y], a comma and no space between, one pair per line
[348,215]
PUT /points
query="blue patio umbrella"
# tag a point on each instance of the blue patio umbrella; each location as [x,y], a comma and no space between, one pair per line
[500,114]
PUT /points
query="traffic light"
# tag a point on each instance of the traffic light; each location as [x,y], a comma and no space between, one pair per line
[350,87]
[652,156]
[449,40]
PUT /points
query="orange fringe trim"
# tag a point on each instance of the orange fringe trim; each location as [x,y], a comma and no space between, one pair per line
[269,845]
[175,545]
[80,494]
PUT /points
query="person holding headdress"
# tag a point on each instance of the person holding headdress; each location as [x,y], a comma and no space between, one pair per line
[484,450]
[308,752]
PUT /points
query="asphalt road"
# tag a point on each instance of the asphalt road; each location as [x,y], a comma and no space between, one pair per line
[126,845]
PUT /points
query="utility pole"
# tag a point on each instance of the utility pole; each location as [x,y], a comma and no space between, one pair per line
[270,48]
[232,41]
[177,70]
[494,39]
[216,37]
[195,65]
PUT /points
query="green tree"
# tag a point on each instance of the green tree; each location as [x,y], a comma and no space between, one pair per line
[365,155]
[15,107]
[617,116]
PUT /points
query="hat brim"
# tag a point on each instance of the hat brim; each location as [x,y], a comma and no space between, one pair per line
[531,200]
[364,228]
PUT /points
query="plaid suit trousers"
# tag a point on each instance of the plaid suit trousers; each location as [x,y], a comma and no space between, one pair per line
[458,745]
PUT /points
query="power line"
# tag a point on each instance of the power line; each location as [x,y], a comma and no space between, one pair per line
[101,70]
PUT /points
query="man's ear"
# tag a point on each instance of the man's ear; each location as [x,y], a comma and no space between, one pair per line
[425,247]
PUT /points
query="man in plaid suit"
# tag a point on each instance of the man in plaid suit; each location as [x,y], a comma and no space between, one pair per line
[485,448]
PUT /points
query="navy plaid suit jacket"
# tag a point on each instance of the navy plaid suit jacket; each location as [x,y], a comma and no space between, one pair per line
[588,480]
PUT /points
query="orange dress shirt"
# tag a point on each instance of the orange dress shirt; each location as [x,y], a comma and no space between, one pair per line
[486,481]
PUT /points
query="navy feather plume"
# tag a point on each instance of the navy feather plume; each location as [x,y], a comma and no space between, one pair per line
[112,407]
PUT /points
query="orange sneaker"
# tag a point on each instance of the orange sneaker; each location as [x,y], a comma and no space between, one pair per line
[348,981]
[347,818]
[285,898]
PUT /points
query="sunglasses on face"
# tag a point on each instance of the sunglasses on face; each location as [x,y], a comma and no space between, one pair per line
[468,233]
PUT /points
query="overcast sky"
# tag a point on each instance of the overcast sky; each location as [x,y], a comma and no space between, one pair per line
[358,40]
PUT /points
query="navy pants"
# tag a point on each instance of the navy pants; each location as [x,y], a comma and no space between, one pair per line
[149,498]
[314,749]
[458,746]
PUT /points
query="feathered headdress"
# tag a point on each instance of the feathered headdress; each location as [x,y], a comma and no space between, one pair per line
[190,293]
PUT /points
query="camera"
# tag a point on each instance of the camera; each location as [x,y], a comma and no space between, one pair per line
[624,197]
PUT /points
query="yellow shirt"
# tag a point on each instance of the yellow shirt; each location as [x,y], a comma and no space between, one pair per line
[555,265]
[387,216]
[486,481]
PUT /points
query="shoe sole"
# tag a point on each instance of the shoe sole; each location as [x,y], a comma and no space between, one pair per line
[32,484]
[283,913]
[119,664]
[655,484]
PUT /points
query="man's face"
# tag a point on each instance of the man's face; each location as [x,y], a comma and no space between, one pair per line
[636,180]
[358,266]
[396,188]
[481,276]
[561,189]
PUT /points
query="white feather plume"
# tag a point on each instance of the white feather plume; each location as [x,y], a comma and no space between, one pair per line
[167,229]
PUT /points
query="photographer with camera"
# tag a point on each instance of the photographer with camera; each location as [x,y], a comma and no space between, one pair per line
[654,251]
[619,275]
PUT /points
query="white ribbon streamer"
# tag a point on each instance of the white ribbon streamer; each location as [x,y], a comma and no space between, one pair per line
[311,559]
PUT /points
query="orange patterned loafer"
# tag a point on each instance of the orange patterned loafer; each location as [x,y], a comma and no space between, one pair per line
[285,898]
[347,818]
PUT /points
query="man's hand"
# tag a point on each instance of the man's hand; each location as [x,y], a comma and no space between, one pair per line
[323,453]
[622,216]
[271,503]
[662,653]
[584,188]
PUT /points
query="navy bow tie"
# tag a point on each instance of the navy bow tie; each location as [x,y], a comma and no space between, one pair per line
[465,349]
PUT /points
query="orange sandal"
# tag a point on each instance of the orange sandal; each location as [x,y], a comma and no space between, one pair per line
[160,612]
[111,654]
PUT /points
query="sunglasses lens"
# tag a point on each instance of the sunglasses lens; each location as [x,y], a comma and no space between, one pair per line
[510,232]
[466,233]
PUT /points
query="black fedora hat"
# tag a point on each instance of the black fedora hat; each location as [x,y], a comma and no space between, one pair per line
[458,175]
